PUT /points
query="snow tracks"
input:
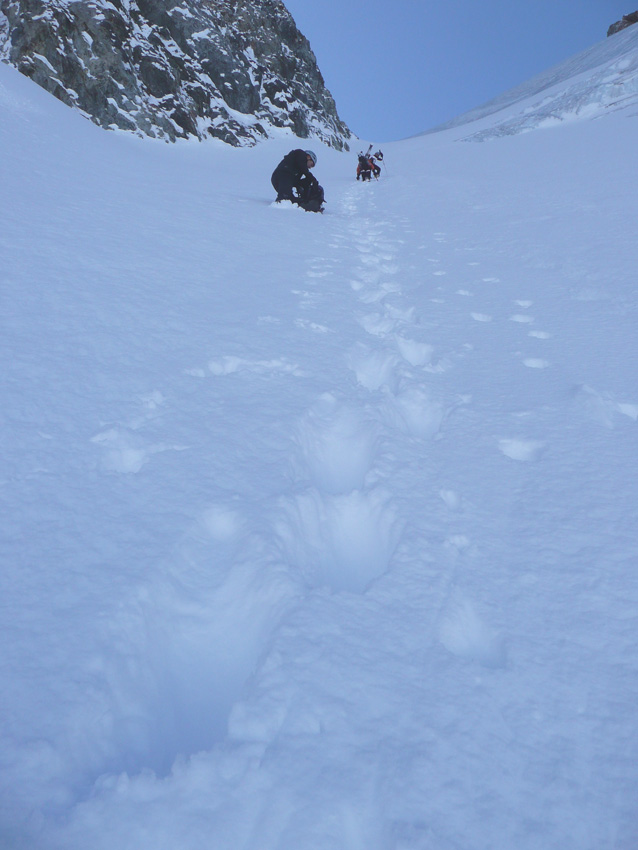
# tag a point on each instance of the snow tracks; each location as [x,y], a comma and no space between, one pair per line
[287,626]
[321,660]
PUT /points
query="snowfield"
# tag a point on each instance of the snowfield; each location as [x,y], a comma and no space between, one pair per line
[321,532]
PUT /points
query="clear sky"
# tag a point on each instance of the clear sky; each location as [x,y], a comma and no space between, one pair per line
[400,67]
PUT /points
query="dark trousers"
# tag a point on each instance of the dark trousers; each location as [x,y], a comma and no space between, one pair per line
[283,183]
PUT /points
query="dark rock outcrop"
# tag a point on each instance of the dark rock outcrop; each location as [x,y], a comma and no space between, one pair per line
[626,21]
[230,69]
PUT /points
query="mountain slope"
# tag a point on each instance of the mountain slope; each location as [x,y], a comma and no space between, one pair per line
[591,84]
[318,532]
[232,71]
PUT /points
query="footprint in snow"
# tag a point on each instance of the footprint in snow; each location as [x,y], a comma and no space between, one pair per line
[207,618]
[414,411]
[465,634]
[336,446]
[402,314]
[413,352]
[368,276]
[373,368]
[343,542]
[377,324]
[374,296]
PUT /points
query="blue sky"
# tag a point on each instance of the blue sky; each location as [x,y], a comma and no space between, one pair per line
[398,68]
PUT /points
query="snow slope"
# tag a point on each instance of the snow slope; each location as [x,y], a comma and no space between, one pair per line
[593,83]
[318,532]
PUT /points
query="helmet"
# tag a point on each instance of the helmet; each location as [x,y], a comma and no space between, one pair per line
[312,155]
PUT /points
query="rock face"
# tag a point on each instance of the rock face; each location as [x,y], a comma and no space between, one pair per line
[230,69]
[627,21]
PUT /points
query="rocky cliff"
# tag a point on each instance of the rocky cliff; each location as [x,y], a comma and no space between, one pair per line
[625,21]
[230,69]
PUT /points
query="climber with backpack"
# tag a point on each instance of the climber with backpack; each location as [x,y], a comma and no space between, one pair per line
[364,167]
[293,181]
[367,165]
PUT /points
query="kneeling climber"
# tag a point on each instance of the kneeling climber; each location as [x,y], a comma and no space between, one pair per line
[293,181]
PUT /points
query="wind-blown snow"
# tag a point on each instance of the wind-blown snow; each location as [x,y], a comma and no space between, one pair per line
[318,532]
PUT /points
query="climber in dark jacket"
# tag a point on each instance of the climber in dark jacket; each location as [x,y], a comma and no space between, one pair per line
[293,181]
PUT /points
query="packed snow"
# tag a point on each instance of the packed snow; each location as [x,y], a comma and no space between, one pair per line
[319,532]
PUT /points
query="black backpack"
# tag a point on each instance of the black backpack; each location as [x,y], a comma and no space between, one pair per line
[311,196]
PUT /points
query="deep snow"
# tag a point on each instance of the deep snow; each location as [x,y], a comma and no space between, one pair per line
[319,532]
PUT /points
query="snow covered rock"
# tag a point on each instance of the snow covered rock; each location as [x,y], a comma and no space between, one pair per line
[170,69]
[626,21]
